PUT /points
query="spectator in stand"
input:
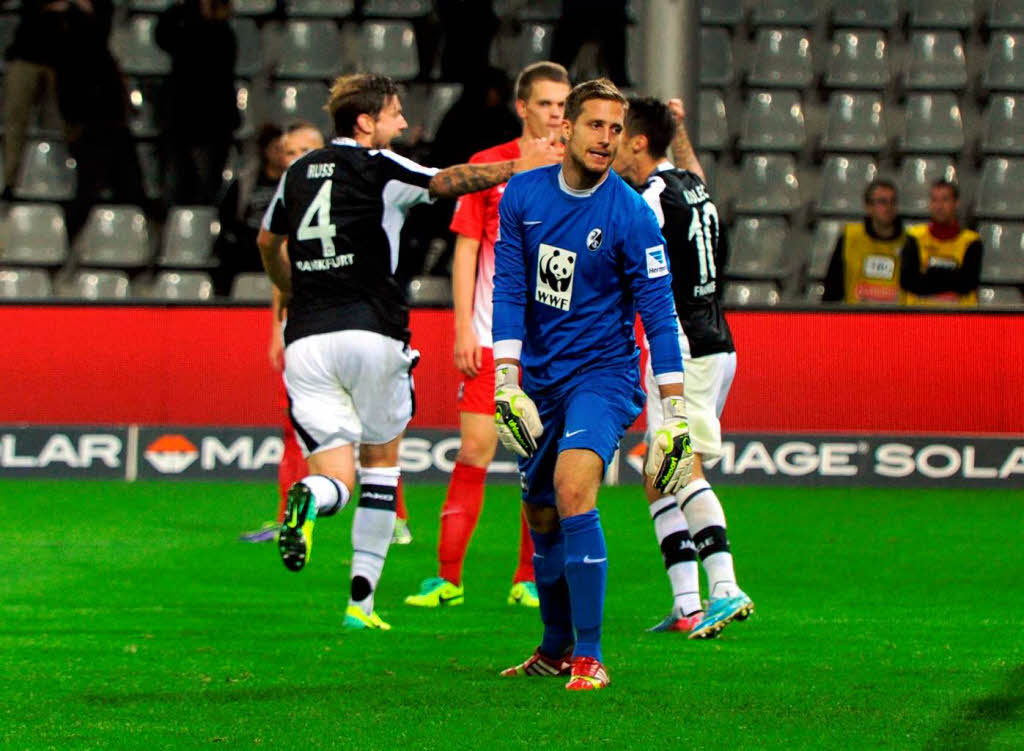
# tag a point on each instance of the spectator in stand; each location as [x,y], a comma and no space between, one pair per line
[866,260]
[944,265]
[601,21]
[199,113]
[30,72]
[94,104]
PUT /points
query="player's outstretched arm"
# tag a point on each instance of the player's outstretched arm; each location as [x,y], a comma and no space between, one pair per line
[469,178]
[683,153]
[670,456]
[515,415]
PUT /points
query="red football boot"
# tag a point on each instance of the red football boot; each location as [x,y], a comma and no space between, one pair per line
[541,665]
[587,675]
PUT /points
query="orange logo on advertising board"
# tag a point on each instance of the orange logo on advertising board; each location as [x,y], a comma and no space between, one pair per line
[171,454]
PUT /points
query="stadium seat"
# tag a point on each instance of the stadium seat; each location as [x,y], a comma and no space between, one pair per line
[785,13]
[320,8]
[933,124]
[826,233]
[300,100]
[812,295]
[396,8]
[940,14]
[741,294]
[758,248]
[709,164]
[96,284]
[936,60]
[535,10]
[47,172]
[917,174]
[24,284]
[114,236]
[865,14]
[309,49]
[843,179]
[188,238]
[430,291]
[35,235]
[254,7]
[44,119]
[859,60]
[716,62]
[250,47]
[721,12]
[252,286]
[424,105]
[389,47]
[143,94]
[1005,14]
[1003,260]
[713,129]
[782,59]
[149,6]
[1004,63]
[1003,127]
[773,121]
[1000,192]
[181,285]
[243,100]
[135,48]
[768,184]
[856,122]
[533,44]
[1000,297]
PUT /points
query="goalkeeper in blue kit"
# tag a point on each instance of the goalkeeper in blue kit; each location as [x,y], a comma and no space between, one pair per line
[579,252]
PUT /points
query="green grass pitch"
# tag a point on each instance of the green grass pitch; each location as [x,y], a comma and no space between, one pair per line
[130,617]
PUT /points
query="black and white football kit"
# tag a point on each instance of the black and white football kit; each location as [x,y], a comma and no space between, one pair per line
[347,359]
[698,250]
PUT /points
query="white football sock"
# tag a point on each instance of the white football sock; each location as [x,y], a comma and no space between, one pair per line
[704,515]
[678,554]
[330,494]
[373,526]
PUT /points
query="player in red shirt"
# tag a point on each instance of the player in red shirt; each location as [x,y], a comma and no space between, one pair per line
[541,91]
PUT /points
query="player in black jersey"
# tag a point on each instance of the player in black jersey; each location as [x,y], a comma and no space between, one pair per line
[348,362]
[697,248]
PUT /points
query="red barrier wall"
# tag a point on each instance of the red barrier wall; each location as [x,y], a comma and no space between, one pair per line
[798,371]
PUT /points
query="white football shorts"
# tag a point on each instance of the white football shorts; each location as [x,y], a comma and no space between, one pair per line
[706,382]
[349,386]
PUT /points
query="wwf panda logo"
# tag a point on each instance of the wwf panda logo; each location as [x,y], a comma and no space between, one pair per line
[556,269]
[594,238]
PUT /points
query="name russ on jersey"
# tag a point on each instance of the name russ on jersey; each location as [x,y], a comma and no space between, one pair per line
[314,171]
[326,264]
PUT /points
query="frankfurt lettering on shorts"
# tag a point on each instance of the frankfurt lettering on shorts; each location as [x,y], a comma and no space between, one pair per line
[325,264]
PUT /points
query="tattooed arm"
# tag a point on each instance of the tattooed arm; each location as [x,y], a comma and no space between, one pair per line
[469,178]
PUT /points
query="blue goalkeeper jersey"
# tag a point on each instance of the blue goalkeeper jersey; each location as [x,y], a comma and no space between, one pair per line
[571,270]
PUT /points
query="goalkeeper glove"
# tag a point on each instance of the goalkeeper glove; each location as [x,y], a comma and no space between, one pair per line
[515,414]
[670,459]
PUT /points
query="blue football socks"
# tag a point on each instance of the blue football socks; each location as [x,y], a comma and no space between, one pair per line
[552,591]
[586,570]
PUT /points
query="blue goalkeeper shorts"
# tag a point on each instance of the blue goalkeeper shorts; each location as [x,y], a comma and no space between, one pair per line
[590,412]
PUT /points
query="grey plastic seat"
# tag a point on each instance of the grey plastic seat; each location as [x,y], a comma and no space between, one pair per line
[243,101]
[709,164]
[782,58]
[768,184]
[785,13]
[35,235]
[1005,14]
[188,239]
[917,174]
[309,49]
[96,284]
[430,291]
[940,14]
[859,60]
[713,129]
[24,284]
[721,12]
[426,104]
[1000,193]
[134,46]
[181,285]
[1004,63]
[999,297]
[114,236]
[250,47]
[47,172]
[300,100]
[716,60]
[936,60]
[865,14]
[758,248]
[1003,261]
[856,122]
[320,8]
[933,125]
[813,294]
[389,47]
[251,286]
[1003,126]
[254,7]
[823,244]
[142,93]
[534,43]
[396,8]
[741,294]
[843,179]
[773,121]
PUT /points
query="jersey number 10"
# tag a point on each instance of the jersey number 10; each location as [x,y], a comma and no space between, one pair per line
[323,230]
[704,229]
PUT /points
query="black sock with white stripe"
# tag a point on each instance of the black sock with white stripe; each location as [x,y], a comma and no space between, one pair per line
[706,518]
[679,555]
[372,528]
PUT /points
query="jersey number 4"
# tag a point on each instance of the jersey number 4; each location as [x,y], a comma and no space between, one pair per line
[320,212]
[704,229]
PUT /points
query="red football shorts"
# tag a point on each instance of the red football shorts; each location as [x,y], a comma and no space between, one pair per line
[476,394]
